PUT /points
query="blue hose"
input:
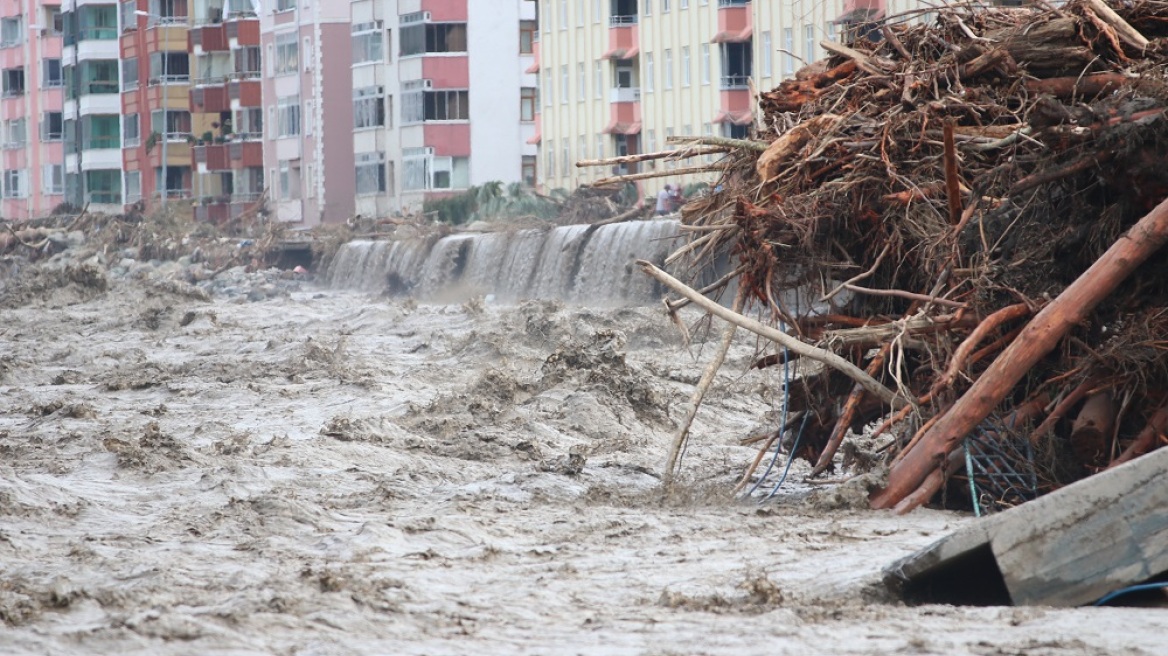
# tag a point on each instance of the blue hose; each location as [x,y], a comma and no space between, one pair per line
[1135,588]
[783,423]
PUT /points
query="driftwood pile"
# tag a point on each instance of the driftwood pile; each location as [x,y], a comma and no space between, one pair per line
[989,191]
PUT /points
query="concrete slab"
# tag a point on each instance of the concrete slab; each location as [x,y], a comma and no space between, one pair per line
[1068,548]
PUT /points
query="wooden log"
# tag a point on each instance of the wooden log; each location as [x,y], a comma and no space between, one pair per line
[1086,86]
[790,143]
[952,183]
[1128,34]
[1092,427]
[1049,48]
[962,354]
[1041,335]
[1063,408]
[802,348]
[644,157]
[722,142]
[664,173]
[1146,441]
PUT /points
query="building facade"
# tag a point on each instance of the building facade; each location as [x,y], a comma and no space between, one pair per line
[433,82]
[32,128]
[619,77]
[226,97]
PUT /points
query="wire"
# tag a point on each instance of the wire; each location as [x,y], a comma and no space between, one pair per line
[1135,588]
[791,458]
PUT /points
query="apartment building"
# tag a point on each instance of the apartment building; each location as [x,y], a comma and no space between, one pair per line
[307,91]
[227,94]
[620,77]
[443,98]
[31,99]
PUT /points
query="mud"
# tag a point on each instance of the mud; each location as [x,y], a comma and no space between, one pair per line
[309,472]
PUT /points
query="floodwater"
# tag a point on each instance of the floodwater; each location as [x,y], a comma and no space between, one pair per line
[334,473]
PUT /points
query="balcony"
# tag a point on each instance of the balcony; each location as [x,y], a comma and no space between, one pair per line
[624,94]
[214,156]
[248,154]
[731,82]
[622,21]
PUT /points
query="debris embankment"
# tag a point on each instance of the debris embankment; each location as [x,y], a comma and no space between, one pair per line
[981,201]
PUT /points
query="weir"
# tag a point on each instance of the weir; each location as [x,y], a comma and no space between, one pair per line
[577,263]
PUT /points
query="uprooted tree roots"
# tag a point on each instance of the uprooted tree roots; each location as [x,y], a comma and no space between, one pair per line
[978,206]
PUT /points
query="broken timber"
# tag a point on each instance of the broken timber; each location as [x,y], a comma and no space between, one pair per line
[1068,548]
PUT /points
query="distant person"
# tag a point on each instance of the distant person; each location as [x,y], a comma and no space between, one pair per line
[675,199]
[664,200]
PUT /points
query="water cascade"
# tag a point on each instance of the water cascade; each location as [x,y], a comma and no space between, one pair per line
[578,263]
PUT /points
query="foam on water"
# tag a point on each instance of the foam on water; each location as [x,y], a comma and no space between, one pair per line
[578,263]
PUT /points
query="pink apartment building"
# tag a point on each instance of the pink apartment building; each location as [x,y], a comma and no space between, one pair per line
[308,99]
[31,120]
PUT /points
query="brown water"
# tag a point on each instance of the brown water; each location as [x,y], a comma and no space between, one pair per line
[336,474]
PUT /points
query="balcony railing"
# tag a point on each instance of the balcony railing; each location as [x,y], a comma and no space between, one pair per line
[99,143]
[735,81]
[621,21]
[246,196]
[624,94]
[732,3]
[179,78]
[105,197]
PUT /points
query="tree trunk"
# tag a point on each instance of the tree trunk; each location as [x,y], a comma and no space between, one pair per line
[1040,336]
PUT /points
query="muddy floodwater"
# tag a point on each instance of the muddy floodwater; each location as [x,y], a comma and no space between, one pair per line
[333,473]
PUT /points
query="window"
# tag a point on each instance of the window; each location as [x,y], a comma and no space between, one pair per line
[368,43]
[600,146]
[668,72]
[831,31]
[708,130]
[767,55]
[368,107]
[648,7]
[450,172]
[249,123]
[177,124]
[563,83]
[547,87]
[596,11]
[527,103]
[648,70]
[417,39]
[415,169]
[104,186]
[98,22]
[669,163]
[51,75]
[306,53]
[289,180]
[15,183]
[443,105]
[129,74]
[15,133]
[168,67]
[169,11]
[99,76]
[685,4]
[11,31]
[288,116]
[664,6]
[563,14]
[370,173]
[650,141]
[527,170]
[582,147]
[579,13]
[306,182]
[287,58]
[526,37]
[131,131]
[285,5]
[705,63]
[52,126]
[789,47]
[309,116]
[53,179]
[246,61]
[598,79]
[133,186]
[581,83]
[566,152]
[54,24]
[735,131]
[809,43]
[685,65]
[549,164]
[13,82]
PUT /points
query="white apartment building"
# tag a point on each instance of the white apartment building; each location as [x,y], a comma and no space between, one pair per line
[619,77]
[443,98]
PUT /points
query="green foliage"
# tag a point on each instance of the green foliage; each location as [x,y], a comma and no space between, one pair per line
[493,202]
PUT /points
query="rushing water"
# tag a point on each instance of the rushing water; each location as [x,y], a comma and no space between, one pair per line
[575,263]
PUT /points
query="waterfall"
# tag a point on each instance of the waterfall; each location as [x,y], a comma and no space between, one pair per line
[579,263]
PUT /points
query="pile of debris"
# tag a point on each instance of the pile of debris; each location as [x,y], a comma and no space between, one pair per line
[983,198]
